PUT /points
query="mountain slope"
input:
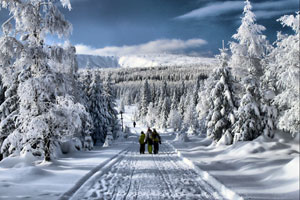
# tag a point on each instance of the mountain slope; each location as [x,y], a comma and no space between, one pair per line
[153,60]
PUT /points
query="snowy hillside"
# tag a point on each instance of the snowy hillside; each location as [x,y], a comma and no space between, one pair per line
[92,61]
[156,60]
[163,60]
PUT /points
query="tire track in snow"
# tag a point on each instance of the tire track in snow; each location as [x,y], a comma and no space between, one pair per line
[208,191]
[161,176]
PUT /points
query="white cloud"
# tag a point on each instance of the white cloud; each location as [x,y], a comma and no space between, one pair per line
[152,47]
[262,14]
[267,9]
[214,9]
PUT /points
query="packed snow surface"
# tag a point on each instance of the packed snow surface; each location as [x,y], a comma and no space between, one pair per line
[148,176]
[151,60]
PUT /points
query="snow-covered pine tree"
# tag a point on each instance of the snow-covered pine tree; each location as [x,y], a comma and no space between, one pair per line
[154,94]
[248,125]
[97,107]
[145,99]
[283,76]
[111,106]
[196,90]
[152,115]
[190,116]
[251,47]
[47,113]
[9,110]
[164,113]
[181,105]
[174,102]
[222,101]
[174,120]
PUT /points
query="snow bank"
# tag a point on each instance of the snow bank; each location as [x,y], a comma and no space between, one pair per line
[25,159]
[222,189]
[267,168]
[26,177]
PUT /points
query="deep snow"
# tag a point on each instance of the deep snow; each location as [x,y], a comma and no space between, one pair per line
[261,169]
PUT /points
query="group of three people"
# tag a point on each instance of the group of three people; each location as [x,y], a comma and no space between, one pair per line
[151,138]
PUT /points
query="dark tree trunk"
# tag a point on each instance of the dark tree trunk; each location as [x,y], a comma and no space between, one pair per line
[47,151]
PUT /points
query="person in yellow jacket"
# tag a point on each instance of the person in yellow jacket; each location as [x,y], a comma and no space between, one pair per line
[149,140]
[156,141]
[142,143]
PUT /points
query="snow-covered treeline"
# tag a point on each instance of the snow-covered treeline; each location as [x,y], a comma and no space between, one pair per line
[41,98]
[163,94]
[101,104]
[253,91]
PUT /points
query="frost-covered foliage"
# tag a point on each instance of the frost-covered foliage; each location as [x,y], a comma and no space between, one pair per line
[42,104]
[222,100]
[251,47]
[100,103]
[145,99]
[190,116]
[248,125]
[175,120]
[283,75]
[164,112]
[110,104]
[152,116]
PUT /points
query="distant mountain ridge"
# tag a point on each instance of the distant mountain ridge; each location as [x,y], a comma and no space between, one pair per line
[93,61]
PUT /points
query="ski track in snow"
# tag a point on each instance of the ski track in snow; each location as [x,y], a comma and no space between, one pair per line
[135,176]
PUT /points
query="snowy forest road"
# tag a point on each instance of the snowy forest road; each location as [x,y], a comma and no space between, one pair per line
[147,176]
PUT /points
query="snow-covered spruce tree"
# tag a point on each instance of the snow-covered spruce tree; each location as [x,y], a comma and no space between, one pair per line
[47,113]
[145,99]
[10,51]
[181,105]
[251,47]
[111,106]
[196,91]
[202,108]
[9,109]
[174,102]
[190,117]
[96,104]
[152,115]
[254,46]
[174,120]
[282,75]
[248,125]
[222,101]
[164,113]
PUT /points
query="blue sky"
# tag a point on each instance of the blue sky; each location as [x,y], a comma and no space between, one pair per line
[118,27]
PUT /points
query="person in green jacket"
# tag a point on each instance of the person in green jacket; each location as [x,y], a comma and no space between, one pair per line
[149,140]
[142,143]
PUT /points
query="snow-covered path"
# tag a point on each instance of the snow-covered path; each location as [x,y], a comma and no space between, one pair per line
[135,176]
